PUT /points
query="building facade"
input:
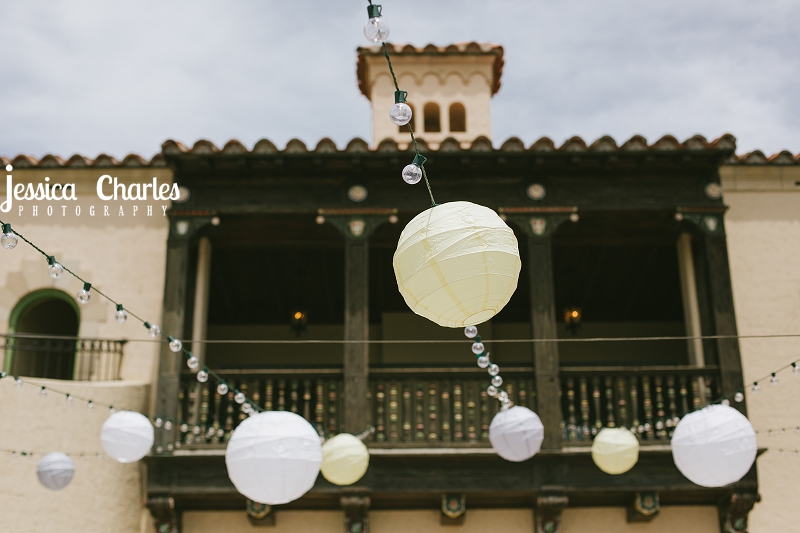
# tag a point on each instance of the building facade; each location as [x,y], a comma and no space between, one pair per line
[662,239]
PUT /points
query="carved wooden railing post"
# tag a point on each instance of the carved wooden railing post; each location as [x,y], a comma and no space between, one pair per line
[734,511]
[540,225]
[356,225]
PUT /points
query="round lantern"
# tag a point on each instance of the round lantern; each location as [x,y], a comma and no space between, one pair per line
[516,434]
[715,446]
[457,264]
[344,459]
[55,470]
[274,457]
[615,450]
[127,436]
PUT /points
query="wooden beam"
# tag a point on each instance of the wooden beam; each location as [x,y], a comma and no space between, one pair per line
[356,328]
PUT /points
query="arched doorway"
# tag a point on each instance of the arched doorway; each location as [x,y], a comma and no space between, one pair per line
[47,312]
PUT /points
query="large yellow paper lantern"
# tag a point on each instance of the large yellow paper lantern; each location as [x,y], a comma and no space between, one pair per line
[615,450]
[344,459]
[457,264]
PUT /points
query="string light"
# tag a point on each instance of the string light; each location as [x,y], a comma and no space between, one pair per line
[120,316]
[376,30]
[54,269]
[773,379]
[412,173]
[9,239]
[174,344]
[84,295]
[400,113]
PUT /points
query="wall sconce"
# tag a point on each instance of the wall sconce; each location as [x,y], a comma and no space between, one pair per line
[572,319]
[299,322]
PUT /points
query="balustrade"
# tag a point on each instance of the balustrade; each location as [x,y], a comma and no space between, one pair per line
[86,359]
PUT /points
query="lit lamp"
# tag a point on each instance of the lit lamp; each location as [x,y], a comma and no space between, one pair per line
[572,318]
[299,322]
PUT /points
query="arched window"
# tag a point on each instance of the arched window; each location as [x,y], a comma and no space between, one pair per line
[45,312]
[458,117]
[404,129]
[433,123]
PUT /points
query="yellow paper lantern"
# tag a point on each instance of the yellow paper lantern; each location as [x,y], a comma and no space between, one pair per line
[615,450]
[457,264]
[344,459]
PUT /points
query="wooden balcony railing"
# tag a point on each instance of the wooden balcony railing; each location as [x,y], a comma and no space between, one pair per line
[64,358]
[408,407]
[647,400]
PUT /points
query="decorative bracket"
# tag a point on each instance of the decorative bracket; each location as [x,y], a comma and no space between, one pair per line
[183,223]
[644,508]
[708,219]
[454,508]
[165,518]
[539,222]
[734,510]
[260,514]
[356,224]
[547,514]
[356,513]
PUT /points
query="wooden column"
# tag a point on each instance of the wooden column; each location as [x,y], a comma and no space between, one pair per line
[356,328]
[691,306]
[200,315]
[545,354]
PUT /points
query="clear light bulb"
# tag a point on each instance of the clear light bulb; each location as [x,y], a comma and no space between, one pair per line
[494,369]
[17,383]
[738,397]
[246,408]
[90,406]
[483,361]
[54,268]
[168,425]
[202,376]
[43,393]
[756,388]
[470,332]
[152,329]
[239,398]
[193,362]
[69,399]
[120,316]
[726,402]
[376,30]
[795,369]
[84,295]
[175,345]
[491,390]
[478,348]
[497,381]
[222,389]
[400,113]
[773,380]
[9,239]
[112,410]
[503,395]
[158,422]
[184,427]
[412,174]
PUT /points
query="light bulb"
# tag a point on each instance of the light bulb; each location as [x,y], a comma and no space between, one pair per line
[246,408]
[158,422]
[69,399]
[483,361]
[152,329]
[168,425]
[470,332]
[738,397]
[478,348]
[120,316]
[412,174]
[375,30]
[491,390]
[222,389]
[84,295]
[8,240]
[502,395]
[239,398]
[54,268]
[795,369]
[184,427]
[193,362]
[174,344]
[17,383]
[202,376]
[726,402]
[90,406]
[111,409]
[497,381]
[400,114]
[773,380]
[494,369]
[756,388]
[42,392]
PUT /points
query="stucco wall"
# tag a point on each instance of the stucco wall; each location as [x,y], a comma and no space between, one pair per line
[763,232]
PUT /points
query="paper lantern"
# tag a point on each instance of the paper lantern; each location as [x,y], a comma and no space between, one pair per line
[55,470]
[457,264]
[344,459]
[274,457]
[615,450]
[715,446]
[127,436]
[516,434]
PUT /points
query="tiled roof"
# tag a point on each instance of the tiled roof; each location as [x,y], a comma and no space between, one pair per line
[469,48]
[637,143]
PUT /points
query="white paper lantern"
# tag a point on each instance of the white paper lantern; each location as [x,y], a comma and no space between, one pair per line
[714,446]
[615,450]
[274,457]
[344,459]
[516,434]
[55,470]
[127,436]
[457,264]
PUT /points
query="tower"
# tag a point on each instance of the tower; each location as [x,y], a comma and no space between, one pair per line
[449,90]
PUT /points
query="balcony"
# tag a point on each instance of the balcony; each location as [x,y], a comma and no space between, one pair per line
[63,357]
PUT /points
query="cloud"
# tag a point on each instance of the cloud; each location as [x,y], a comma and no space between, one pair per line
[88,76]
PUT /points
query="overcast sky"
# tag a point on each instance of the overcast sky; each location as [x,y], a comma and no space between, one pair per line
[92,76]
